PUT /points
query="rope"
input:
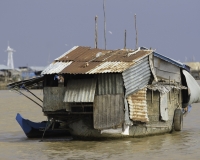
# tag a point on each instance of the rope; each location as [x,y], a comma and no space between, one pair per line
[47,127]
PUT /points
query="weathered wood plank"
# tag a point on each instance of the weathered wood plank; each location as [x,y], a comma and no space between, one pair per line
[53,99]
[108,111]
[165,66]
[164,70]
[166,75]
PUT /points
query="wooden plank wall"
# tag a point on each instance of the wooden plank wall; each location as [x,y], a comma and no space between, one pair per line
[108,111]
[164,70]
[53,99]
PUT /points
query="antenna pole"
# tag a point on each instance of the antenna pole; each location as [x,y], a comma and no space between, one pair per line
[96,32]
[104,23]
[136,39]
[125,39]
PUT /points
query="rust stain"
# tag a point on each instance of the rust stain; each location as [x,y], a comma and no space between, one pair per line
[86,60]
[138,106]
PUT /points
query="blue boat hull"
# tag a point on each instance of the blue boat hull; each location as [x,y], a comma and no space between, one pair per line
[36,130]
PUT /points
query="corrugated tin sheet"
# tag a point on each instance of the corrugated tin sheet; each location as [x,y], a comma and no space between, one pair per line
[84,60]
[110,67]
[80,67]
[56,67]
[123,55]
[108,111]
[137,76]
[138,106]
[85,54]
[63,55]
[87,68]
[80,90]
[110,84]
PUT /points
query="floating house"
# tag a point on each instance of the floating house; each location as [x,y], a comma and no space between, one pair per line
[116,93]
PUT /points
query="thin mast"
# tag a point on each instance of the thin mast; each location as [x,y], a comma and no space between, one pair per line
[136,39]
[125,39]
[96,38]
[104,23]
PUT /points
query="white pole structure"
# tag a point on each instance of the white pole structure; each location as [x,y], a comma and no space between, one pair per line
[10,62]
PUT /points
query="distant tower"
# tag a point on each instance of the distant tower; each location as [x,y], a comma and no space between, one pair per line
[10,62]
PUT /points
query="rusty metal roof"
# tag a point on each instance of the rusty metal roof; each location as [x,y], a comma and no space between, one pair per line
[86,60]
[111,67]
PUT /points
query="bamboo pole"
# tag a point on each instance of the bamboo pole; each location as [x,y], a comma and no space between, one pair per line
[32,94]
[28,97]
[96,38]
[136,38]
[125,39]
[104,23]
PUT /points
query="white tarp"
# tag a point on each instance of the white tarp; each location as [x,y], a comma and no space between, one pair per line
[164,107]
[193,88]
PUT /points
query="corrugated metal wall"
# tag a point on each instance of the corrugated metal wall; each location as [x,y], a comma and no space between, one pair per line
[110,84]
[80,90]
[138,106]
[137,76]
[108,111]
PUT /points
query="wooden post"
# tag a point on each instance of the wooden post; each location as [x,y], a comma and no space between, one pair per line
[104,23]
[125,40]
[180,98]
[32,93]
[169,92]
[136,39]
[96,38]
[27,97]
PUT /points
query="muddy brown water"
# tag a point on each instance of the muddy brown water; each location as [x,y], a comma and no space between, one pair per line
[15,145]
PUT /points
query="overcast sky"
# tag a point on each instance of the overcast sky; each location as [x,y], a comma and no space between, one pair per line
[42,30]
